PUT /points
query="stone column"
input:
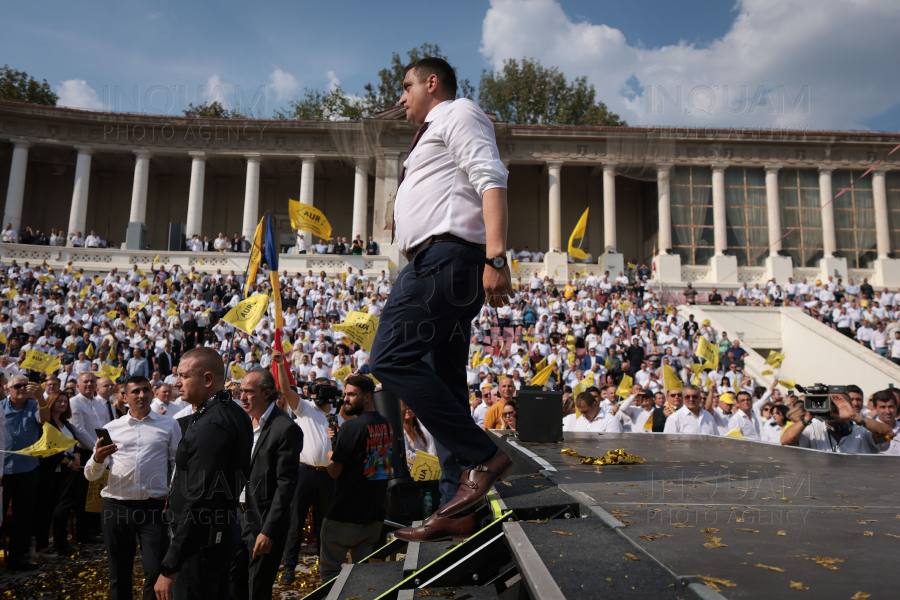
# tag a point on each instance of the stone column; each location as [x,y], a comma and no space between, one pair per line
[724,268]
[609,206]
[251,197]
[667,263]
[555,209]
[719,221]
[15,191]
[830,264]
[307,183]
[879,194]
[78,212]
[194,223]
[139,187]
[778,267]
[829,237]
[360,200]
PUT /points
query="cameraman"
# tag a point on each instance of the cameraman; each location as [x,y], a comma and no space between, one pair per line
[314,486]
[844,430]
[360,464]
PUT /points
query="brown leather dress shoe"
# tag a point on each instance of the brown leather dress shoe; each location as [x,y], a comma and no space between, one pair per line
[475,483]
[437,529]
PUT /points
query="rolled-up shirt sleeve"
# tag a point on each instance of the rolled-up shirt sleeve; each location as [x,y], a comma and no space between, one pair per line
[469,136]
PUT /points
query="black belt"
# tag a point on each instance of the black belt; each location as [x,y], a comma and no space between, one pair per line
[303,464]
[136,503]
[442,237]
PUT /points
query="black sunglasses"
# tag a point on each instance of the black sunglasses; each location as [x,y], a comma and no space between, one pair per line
[19,386]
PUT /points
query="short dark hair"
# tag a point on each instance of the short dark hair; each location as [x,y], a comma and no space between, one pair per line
[439,67]
[363,382]
[136,379]
[854,389]
[586,397]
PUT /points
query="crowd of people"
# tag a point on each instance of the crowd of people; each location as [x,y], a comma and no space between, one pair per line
[612,345]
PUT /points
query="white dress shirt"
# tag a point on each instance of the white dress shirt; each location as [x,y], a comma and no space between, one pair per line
[146,451]
[256,432]
[316,443]
[816,437]
[748,426]
[603,422]
[90,414]
[684,421]
[453,164]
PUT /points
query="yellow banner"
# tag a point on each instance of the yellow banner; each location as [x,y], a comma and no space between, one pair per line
[306,217]
[671,381]
[775,359]
[248,313]
[625,386]
[51,442]
[341,374]
[37,361]
[111,371]
[360,327]
[709,353]
[237,373]
[578,233]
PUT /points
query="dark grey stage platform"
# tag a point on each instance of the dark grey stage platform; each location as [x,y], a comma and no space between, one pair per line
[755,519]
[721,508]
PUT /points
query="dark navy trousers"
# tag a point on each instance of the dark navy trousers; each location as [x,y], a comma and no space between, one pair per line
[421,348]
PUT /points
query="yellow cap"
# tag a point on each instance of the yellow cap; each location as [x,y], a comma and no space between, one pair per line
[727,398]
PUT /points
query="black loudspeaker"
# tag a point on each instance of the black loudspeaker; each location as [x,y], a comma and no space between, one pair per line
[176,237]
[540,415]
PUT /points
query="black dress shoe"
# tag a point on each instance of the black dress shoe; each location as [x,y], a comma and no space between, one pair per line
[287,576]
[66,550]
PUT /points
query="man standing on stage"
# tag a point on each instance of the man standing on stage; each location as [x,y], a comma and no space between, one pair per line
[450,219]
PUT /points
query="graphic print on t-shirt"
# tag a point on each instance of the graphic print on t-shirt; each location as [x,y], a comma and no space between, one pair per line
[379,447]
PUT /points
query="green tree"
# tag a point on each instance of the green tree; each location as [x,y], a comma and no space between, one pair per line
[333,105]
[19,87]
[387,91]
[528,93]
[214,110]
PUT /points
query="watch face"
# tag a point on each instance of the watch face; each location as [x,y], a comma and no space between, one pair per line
[498,261]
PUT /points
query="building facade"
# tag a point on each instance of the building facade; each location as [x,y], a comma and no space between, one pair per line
[703,206]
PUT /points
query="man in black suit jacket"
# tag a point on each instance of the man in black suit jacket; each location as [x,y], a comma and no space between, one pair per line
[266,500]
[371,246]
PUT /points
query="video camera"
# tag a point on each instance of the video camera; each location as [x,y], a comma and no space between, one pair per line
[326,394]
[817,399]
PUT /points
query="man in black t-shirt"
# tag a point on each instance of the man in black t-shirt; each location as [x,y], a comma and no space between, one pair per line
[361,465]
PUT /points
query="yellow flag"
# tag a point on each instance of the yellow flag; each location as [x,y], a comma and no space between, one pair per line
[276,299]
[286,346]
[167,282]
[632,266]
[541,364]
[515,264]
[767,372]
[341,374]
[237,373]
[476,359]
[83,293]
[585,383]
[171,313]
[775,359]
[201,261]
[735,433]
[624,389]
[671,381]
[45,279]
[11,294]
[255,255]
[155,260]
[528,338]
[391,265]
[543,375]
[112,354]
[2,338]
[53,367]
[139,272]
[144,283]
[306,217]
[37,361]
[111,314]
[248,313]
[606,363]
[577,233]
[788,383]
[89,352]
[111,371]
[360,327]
[51,442]
[154,298]
[697,368]
[98,279]
[708,352]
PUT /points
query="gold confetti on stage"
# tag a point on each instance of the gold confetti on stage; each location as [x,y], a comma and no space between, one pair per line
[612,457]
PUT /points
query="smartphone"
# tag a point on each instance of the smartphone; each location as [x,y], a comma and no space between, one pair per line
[34,376]
[103,436]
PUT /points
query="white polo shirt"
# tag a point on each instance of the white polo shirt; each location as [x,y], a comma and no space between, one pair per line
[684,421]
[816,437]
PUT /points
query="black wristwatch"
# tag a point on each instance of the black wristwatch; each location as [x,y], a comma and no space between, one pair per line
[498,262]
[165,570]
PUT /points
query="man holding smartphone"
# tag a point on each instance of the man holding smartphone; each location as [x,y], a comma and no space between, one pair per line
[139,449]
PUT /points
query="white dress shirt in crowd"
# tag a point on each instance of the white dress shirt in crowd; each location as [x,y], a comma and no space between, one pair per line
[816,437]
[603,422]
[453,164]
[748,426]
[480,412]
[316,443]
[684,421]
[260,424]
[90,414]
[146,452]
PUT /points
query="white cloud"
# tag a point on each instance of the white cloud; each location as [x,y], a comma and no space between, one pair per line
[333,81]
[215,91]
[76,93]
[283,84]
[824,64]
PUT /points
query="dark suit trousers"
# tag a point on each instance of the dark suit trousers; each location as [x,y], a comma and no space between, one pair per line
[314,489]
[19,490]
[122,520]
[205,575]
[430,311]
[253,577]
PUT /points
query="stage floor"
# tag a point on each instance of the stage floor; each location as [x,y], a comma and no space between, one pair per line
[731,509]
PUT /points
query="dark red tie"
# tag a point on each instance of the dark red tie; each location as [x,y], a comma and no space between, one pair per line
[415,141]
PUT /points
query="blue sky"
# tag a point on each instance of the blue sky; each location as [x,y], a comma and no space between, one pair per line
[623,47]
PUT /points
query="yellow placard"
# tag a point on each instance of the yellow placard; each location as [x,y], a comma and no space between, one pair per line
[341,374]
[671,381]
[248,313]
[625,386]
[111,371]
[37,361]
[306,217]
[237,372]
[360,327]
[286,346]
[709,353]
[426,467]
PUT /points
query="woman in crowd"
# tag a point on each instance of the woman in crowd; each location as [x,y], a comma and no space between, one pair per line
[510,410]
[416,437]
[56,494]
[771,430]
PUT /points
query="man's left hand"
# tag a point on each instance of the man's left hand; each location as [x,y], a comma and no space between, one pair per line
[164,586]
[263,545]
[497,285]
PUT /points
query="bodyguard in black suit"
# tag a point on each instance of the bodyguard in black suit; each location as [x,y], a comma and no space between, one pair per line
[266,500]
